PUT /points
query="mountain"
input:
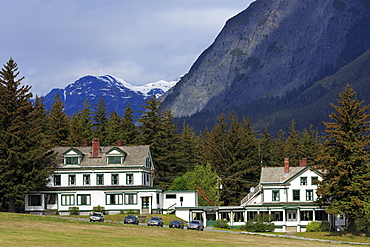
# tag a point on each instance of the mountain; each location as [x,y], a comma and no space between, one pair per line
[115,92]
[270,62]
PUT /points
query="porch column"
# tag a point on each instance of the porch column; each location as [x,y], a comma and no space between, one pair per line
[284,220]
[298,219]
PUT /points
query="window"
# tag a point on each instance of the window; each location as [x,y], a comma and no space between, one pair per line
[314,180]
[170,196]
[71,161]
[224,216]
[86,179]
[115,179]
[275,195]
[100,179]
[51,198]
[277,215]
[321,215]
[251,215]
[68,200]
[114,199]
[130,198]
[83,199]
[114,160]
[306,215]
[238,216]
[129,179]
[72,179]
[309,195]
[34,200]
[57,180]
[303,180]
[296,195]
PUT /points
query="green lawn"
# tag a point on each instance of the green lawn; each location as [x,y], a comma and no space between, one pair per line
[29,230]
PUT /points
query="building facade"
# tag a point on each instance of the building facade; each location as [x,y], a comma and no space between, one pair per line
[118,178]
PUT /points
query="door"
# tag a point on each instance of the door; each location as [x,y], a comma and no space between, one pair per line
[291,215]
[145,205]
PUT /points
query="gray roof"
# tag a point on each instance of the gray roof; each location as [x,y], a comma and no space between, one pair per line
[277,175]
[135,156]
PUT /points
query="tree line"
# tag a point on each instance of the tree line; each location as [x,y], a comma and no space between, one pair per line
[222,162]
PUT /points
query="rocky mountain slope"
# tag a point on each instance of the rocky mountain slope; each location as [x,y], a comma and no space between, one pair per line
[269,50]
[115,92]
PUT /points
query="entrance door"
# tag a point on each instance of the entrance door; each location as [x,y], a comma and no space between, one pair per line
[210,218]
[145,205]
[291,215]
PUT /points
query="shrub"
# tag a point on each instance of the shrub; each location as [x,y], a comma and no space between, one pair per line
[313,226]
[74,210]
[261,223]
[99,208]
[324,226]
[222,224]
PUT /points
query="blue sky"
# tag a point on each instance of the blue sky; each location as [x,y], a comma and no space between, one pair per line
[55,42]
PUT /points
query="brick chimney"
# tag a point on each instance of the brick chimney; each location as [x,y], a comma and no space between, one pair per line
[86,144]
[303,162]
[95,148]
[119,143]
[286,165]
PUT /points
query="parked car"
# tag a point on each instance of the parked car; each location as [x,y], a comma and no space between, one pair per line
[195,225]
[131,219]
[155,221]
[97,217]
[176,224]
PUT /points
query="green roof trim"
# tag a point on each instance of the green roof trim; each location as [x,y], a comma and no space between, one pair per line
[73,149]
[116,149]
[301,172]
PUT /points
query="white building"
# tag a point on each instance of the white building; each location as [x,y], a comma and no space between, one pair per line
[287,193]
[118,178]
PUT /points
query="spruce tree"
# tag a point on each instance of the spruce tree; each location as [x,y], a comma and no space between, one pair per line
[114,129]
[81,128]
[131,134]
[59,123]
[25,159]
[100,121]
[344,160]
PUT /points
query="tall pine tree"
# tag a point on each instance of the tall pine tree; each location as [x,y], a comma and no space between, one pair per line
[59,123]
[345,159]
[25,160]
[100,121]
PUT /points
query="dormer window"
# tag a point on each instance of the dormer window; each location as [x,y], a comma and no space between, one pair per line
[115,156]
[72,157]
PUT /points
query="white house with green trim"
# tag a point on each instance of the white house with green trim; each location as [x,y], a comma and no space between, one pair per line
[119,178]
[287,193]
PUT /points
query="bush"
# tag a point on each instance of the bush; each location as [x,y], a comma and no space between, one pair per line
[315,226]
[261,223]
[222,224]
[74,210]
[99,208]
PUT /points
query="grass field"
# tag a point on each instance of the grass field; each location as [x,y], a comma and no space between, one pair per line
[30,230]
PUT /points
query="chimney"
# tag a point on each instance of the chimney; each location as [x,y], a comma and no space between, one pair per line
[303,162]
[286,165]
[119,143]
[86,144]
[95,148]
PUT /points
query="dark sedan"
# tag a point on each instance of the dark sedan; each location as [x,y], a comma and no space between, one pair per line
[131,219]
[195,225]
[176,224]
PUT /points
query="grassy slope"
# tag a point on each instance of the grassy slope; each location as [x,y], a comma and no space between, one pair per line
[30,230]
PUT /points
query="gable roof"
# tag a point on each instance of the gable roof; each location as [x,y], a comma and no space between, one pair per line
[277,174]
[135,155]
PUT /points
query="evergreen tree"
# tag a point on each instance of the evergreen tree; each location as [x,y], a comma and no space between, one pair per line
[345,159]
[81,128]
[43,118]
[293,145]
[59,123]
[158,131]
[25,160]
[232,150]
[114,129]
[311,145]
[100,121]
[131,134]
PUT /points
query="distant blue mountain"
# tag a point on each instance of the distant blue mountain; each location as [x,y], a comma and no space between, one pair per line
[116,94]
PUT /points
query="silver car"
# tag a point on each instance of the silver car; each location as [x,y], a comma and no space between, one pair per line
[195,225]
[97,217]
[155,221]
